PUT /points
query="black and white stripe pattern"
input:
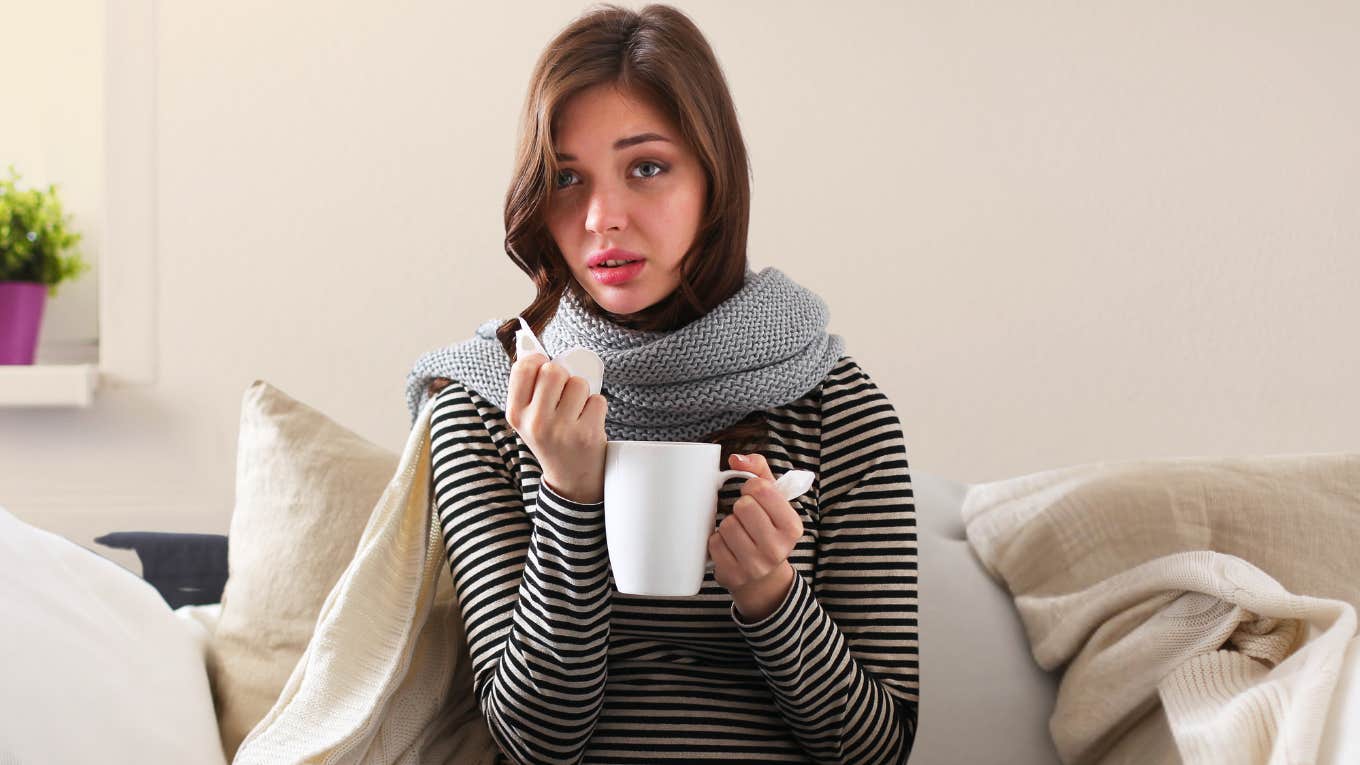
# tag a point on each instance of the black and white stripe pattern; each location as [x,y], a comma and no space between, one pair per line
[569,670]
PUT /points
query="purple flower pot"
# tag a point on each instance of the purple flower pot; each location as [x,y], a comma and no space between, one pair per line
[21,310]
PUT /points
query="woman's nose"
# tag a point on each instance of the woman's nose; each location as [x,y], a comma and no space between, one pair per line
[606,212]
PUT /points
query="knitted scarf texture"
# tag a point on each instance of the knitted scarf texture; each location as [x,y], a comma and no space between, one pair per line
[763,347]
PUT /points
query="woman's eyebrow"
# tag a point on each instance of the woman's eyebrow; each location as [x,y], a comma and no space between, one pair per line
[622,143]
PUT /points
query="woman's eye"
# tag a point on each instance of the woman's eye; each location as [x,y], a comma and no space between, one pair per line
[659,169]
[647,169]
[563,179]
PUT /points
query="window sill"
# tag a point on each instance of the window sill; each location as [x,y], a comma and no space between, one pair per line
[62,385]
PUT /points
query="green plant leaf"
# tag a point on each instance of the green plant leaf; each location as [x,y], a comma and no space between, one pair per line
[37,243]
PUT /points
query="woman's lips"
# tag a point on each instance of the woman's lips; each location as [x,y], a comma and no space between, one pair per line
[612,277]
[612,253]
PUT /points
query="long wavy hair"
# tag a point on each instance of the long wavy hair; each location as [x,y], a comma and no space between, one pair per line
[659,55]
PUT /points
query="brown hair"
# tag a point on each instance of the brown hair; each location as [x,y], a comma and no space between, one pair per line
[659,55]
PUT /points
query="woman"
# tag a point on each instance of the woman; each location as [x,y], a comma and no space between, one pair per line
[801,646]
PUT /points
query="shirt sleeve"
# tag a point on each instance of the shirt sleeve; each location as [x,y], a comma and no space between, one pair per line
[532,580]
[840,652]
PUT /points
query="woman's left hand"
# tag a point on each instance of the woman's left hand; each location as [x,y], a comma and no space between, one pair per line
[751,547]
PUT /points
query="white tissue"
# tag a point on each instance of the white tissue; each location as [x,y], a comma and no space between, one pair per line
[579,361]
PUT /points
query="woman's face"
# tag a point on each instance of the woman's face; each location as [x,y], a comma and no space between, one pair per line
[627,181]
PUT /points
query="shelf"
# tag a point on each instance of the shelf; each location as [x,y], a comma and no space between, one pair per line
[48,384]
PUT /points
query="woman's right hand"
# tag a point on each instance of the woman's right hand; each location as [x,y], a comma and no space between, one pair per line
[563,425]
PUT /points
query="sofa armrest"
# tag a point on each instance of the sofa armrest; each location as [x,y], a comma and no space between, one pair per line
[186,569]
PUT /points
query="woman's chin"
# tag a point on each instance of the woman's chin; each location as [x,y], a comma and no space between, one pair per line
[622,304]
[631,297]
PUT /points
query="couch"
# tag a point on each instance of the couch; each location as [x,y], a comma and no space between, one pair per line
[132,663]
[975,665]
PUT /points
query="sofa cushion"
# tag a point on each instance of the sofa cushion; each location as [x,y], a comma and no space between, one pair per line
[976,668]
[97,668]
[305,487]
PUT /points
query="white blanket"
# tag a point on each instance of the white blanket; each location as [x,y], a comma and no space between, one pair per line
[1202,607]
[385,679]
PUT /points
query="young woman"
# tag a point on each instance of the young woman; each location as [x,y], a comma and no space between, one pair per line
[801,646]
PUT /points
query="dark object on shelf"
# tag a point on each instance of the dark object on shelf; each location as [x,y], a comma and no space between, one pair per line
[186,569]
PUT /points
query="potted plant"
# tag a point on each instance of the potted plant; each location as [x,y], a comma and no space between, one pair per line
[37,252]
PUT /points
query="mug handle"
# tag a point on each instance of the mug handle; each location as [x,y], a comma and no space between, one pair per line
[723,477]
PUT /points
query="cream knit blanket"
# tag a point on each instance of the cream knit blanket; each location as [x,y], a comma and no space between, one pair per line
[1201,607]
[385,679]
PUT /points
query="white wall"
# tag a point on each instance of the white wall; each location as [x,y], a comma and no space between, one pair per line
[1053,233]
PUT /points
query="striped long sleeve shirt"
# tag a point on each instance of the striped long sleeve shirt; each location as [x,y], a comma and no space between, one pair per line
[567,669]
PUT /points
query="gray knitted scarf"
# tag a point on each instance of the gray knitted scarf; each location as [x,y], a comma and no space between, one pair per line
[763,347]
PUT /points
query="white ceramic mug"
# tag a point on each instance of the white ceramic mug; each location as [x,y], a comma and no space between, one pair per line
[660,508]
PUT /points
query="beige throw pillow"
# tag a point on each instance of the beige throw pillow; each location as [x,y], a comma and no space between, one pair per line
[305,487]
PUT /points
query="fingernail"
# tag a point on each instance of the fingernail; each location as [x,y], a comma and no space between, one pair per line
[741,459]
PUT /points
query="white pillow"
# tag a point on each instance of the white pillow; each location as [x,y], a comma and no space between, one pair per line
[305,488]
[94,665]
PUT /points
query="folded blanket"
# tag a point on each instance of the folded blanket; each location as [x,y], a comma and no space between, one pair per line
[385,679]
[1202,607]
